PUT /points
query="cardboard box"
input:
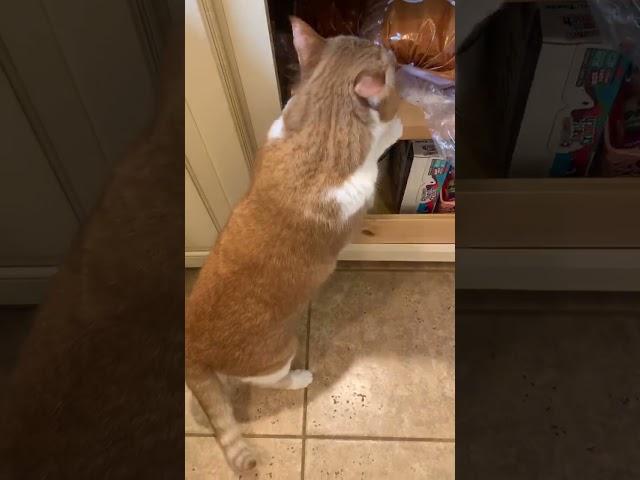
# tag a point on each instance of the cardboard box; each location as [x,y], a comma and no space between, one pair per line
[575,83]
[426,178]
[398,170]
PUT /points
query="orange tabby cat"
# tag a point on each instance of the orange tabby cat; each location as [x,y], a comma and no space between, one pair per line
[315,176]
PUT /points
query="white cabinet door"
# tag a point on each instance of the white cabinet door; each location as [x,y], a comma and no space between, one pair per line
[219,144]
[200,231]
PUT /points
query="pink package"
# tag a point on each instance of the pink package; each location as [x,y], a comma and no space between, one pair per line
[447,203]
[622,133]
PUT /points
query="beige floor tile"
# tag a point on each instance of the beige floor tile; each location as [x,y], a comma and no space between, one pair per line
[278,459]
[261,411]
[373,460]
[382,353]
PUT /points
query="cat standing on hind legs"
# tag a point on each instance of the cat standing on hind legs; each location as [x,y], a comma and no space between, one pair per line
[314,178]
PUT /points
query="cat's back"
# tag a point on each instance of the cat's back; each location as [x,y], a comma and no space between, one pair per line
[257,257]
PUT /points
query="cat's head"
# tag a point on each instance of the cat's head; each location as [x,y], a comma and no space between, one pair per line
[347,67]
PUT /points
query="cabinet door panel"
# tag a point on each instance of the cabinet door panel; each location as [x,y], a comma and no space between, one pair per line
[200,232]
[207,104]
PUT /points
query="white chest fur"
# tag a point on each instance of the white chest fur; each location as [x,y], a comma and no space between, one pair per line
[276,130]
[357,190]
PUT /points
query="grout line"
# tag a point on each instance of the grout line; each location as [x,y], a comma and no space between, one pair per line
[382,438]
[339,437]
[282,436]
[304,404]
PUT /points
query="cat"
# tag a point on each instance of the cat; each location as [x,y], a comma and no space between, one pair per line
[314,178]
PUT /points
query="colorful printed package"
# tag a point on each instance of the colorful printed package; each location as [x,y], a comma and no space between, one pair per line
[427,176]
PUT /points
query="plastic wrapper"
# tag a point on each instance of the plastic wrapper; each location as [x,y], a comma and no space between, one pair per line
[420,33]
[438,104]
[619,20]
[375,12]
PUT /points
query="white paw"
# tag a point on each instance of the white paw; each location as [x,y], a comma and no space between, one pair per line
[299,379]
[244,459]
[395,129]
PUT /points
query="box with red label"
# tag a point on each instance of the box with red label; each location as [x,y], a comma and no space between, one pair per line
[426,178]
[447,202]
[574,86]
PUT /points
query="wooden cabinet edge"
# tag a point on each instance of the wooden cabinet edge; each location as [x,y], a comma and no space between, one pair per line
[388,252]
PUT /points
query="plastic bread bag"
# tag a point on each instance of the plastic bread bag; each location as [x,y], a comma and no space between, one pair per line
[374,16]
[619,21]
[421,34]
[439,106]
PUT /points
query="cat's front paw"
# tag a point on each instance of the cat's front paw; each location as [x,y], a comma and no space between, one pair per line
[395,129]
[391,133]
[299,379]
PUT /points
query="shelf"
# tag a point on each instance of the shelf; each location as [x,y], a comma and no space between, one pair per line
[407,229]
[414,124]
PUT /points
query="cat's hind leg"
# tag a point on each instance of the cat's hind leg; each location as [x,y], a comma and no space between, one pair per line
[284,378]
[209,390]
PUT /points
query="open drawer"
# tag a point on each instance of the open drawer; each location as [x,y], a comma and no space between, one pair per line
[406,237]
[408,228]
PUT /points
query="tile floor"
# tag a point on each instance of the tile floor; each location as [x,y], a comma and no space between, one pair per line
[380,341]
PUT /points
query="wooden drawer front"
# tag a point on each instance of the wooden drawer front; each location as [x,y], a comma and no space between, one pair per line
[545,213]
[436,228]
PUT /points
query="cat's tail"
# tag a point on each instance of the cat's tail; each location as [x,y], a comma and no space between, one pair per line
[209,390]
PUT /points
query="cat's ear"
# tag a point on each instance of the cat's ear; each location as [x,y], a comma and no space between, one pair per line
[370,86]
[308,43]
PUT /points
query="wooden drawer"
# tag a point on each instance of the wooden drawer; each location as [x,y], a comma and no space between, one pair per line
[406,229]
[549,213]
